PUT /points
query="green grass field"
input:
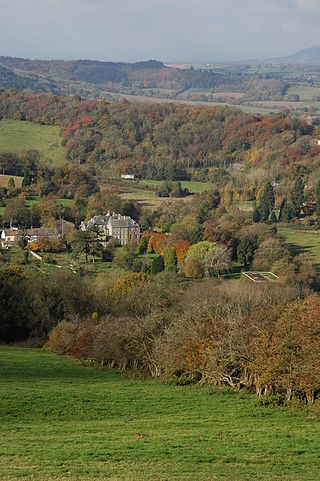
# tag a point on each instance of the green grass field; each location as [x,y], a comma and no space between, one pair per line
[302,241]
[18,136]
[306,92]
[37,201]
[63,420]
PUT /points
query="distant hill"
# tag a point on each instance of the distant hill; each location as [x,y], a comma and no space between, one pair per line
[307,56]
[149,74]
[96,79]
[11,80]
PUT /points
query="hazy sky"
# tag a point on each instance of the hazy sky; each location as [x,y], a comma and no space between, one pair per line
[169,30]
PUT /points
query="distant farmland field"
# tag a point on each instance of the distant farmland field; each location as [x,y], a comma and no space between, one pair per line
[18,136]
[194,187]
[306,92]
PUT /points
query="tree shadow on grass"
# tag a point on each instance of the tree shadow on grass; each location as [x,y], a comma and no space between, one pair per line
[296,249]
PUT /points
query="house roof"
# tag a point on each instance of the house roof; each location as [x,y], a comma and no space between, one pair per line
[98,220]
[123,221]
[115,220]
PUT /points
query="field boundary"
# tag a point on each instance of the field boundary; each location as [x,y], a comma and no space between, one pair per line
[259,277]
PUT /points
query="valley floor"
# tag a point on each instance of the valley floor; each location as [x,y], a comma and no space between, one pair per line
[63,420]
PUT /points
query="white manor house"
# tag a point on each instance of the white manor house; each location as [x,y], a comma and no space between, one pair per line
[114,226]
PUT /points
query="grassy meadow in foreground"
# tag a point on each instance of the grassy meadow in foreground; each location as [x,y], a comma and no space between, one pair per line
[62,420]
[17,136]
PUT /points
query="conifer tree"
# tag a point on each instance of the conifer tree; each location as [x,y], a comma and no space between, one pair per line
[11,185]
[266,204]
[170,260]
[296,197]
[256,215]
[273,217]
[286,213]
[157,265]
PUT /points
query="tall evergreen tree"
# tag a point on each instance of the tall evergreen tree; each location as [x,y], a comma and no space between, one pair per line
[283,203]
[273,217]
[256,215]
[266,204]
[245,251]
[296,197]
[11,185]
[286,213]
[170,260]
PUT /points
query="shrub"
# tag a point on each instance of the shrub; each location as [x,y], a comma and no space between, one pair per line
[143,245]
[170,260]
[157,265]
[193,269]
[107,254]
[124,257]
[62,338]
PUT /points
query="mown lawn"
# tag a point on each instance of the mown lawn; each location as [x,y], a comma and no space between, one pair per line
[37,201]
[63,420]
[18,136]
[302,241]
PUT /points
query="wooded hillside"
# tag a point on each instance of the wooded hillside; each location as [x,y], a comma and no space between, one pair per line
[167,141]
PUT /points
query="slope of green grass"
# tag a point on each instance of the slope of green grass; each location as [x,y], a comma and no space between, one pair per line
[18,136]
[62,420]
[302,241]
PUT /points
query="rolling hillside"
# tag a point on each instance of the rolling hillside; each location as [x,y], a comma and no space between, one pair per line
[147,74]
[92,78]
[18,136]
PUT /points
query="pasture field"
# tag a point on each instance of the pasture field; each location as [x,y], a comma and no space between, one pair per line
[65,420]
[306,92]
[302,241]
[142,192]
[194,187]
[37,201]
[252,109]
[17,136]
[4,179]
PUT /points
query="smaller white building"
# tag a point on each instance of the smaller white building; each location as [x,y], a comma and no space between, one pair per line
[127,176]
[8,237]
